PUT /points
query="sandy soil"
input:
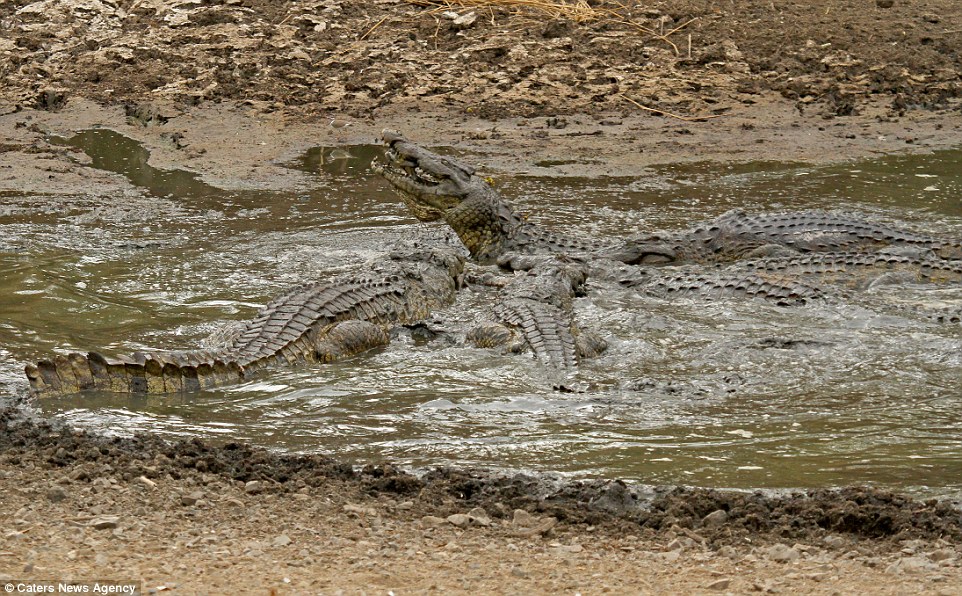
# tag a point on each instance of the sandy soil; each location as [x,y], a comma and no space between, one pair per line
[234,89]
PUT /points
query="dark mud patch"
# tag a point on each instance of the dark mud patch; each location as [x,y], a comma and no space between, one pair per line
[713,517]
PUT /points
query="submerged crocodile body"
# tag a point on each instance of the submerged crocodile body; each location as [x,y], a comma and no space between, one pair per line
[314,323]
[862,270]
[787,280]
[683,281]
[436,187]
[737,235]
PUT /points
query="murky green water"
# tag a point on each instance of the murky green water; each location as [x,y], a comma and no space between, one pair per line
[711,393]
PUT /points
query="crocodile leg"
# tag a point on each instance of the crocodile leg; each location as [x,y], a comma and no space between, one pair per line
[349,338]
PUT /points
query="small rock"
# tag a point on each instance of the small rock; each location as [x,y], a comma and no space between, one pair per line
[146,481]
[781,553]
[78,474]
[104,522]
[459,520]
[885,3]
[834,541]
[253,487]
[719,584]
[464,21]
[282,540]
[298,54]
[479,517]
[523,519]
[192,498]
[432,521]
[56,494]
[715,519]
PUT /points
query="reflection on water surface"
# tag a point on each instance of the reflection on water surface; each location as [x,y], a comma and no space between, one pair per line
[713,393]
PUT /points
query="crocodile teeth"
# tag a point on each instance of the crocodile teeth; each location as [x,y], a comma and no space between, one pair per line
[423,176]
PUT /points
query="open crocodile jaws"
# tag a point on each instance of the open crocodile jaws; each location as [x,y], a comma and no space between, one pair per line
[313,323]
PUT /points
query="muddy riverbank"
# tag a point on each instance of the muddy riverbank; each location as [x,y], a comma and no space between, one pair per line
[195,517]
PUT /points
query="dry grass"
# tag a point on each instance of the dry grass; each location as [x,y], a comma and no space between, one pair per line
[578,11]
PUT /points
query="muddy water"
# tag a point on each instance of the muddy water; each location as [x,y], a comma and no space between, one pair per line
[711,393]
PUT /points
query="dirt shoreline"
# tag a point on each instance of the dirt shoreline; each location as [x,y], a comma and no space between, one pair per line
[198,517]
[235,90]
[236,146]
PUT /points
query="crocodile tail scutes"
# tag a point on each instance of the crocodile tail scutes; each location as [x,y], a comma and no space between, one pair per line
[138,374]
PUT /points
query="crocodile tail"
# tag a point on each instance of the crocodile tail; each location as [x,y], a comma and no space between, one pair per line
[546,329]
[137,374]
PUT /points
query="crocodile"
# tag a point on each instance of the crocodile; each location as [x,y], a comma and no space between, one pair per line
[770,286]
[737,234]
[787,280]
[860,270]
[436,187]
[534,312]
[311,323]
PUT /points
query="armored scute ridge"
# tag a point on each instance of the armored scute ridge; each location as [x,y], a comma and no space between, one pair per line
[435,187]
[771,287]
[316,323]
[737,235]
[858,270]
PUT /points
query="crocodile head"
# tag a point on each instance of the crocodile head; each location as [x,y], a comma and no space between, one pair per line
[430,184]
